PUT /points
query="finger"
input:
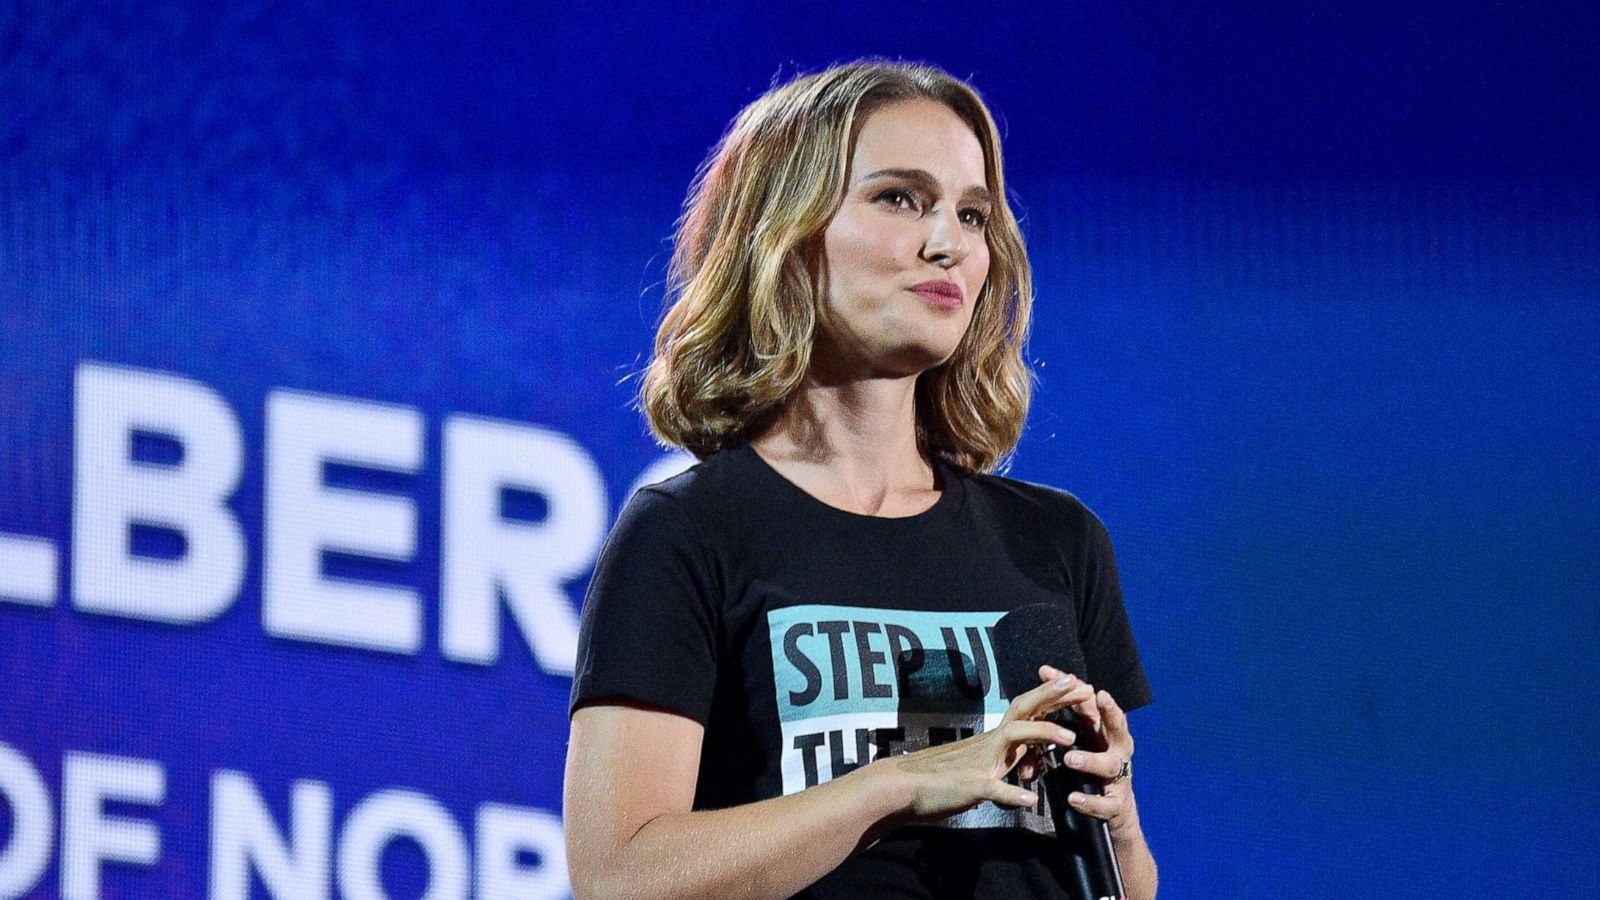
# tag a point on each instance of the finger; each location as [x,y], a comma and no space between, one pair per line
[1051,673]
[1006,795]
[1101,765]
[1088,709]
[1081,701]
[1044,698]
[1029,731]
[1116,721]
[1028,768]
[1074,694]
[1097,805]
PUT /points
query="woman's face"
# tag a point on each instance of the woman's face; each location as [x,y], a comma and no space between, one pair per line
[906,255]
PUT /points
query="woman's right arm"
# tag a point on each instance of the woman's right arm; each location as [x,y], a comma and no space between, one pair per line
[630,787]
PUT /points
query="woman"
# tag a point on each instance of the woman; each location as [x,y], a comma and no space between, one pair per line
[784,683]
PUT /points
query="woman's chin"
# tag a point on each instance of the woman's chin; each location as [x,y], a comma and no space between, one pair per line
[912,360]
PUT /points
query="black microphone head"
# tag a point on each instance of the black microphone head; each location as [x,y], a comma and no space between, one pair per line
[1039,634]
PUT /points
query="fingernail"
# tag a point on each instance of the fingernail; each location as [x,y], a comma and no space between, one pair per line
[1065,736]
[1028,799]
[1075,758]
[1064,681]
[1075,798]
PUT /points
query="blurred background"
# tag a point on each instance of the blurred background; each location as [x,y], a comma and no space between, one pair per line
[313,303]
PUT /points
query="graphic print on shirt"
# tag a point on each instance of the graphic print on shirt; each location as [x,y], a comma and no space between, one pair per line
[857,683]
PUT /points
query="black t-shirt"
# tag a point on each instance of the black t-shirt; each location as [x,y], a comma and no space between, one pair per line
[809,641]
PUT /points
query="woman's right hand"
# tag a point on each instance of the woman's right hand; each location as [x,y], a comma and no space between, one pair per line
[951,778]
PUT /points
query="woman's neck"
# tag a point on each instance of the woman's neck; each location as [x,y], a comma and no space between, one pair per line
[853,445]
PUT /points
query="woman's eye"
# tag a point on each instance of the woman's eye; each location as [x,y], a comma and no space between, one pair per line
[974,218]
[901,199]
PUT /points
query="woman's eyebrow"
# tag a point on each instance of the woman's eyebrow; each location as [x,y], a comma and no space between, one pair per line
[925,180]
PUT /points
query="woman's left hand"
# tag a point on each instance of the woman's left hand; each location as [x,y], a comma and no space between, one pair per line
[1116,805]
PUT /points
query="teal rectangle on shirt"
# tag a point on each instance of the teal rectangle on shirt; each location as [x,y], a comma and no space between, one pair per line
[832,660]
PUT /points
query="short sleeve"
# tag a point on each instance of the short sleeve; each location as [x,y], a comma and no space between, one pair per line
[649,624]
[1109,652]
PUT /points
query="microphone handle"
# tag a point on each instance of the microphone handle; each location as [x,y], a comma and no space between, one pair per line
[1087,840]
[1084,840]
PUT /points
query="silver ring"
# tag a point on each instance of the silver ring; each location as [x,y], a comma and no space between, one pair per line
[1124,772]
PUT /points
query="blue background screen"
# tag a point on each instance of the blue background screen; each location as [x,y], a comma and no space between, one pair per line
[1315,336]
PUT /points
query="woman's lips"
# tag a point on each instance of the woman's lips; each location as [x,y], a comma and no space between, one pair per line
[943,294]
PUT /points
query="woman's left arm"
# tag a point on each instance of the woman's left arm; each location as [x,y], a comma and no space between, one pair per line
[1116,806]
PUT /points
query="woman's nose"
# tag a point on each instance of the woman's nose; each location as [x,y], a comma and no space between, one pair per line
[946,245]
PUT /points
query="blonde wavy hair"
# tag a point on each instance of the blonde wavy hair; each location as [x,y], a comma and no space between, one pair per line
[746,276]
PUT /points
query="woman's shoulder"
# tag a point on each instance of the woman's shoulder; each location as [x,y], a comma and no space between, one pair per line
[1014,496]
[707,491]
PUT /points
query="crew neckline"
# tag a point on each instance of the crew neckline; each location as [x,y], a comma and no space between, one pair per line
[952,495]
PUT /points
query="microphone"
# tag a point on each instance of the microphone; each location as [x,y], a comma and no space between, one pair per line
[1041,634]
